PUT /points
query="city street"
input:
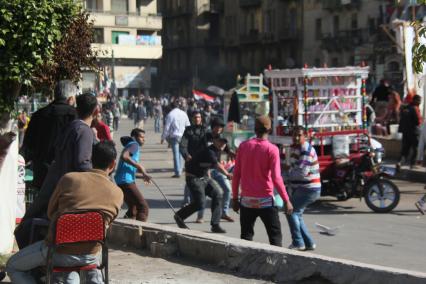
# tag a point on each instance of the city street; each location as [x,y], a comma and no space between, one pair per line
[395,240]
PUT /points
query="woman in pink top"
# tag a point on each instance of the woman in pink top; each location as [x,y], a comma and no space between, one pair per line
[257,169]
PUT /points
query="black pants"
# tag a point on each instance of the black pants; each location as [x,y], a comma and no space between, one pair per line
[199,188]
[115,123]
[410,141]
[138,207]
[270,219]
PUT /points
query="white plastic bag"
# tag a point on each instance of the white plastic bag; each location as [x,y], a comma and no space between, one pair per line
[8,177]
[341,146]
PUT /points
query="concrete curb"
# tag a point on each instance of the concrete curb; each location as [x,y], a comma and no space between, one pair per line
[410,175]
[251,258]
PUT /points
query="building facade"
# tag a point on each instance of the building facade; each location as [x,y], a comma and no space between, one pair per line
[128,34]
[209,42]
[352,32]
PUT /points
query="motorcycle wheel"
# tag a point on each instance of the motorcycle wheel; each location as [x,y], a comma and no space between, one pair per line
[381,203]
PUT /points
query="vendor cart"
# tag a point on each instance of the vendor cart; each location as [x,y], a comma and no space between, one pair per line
[330,103]
[253,98]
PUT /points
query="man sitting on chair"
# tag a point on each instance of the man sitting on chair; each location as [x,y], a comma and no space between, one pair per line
[75,191]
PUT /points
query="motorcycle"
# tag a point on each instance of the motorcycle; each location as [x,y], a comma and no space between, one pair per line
[362,175]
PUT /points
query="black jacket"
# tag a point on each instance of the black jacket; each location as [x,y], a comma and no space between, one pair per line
[193,139]
[42,133]
[409,121]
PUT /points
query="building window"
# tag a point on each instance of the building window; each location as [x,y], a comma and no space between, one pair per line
[115,36]
[293,21]
[91,5]
[144,33]
[268,28]
[98,35]
[336,24]
[354,21]
[120,6]
[318,29]
[371,26]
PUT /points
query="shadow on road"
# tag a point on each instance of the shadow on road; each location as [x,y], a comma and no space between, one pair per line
[330,207]
[161,203]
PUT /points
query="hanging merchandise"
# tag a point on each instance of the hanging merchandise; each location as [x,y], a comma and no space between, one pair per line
[327,99]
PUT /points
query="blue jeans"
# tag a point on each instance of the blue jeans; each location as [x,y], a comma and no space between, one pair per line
[157,121]
[300,199]
[224,183]
[177,158]
[35,255]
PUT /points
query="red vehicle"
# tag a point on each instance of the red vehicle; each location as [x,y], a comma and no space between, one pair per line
[358,174]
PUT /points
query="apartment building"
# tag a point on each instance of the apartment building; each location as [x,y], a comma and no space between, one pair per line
[349,32]
[128,32]
[209,42]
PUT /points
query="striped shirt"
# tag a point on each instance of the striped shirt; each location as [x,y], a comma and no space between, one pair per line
[304,172]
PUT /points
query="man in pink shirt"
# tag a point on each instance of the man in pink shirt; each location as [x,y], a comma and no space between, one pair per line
[257,169]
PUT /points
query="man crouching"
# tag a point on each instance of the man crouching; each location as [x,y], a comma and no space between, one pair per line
[75,191]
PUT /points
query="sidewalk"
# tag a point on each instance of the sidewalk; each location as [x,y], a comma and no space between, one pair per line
[417,174]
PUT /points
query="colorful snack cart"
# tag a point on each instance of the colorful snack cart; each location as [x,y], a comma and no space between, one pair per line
[253,99]
[330,103]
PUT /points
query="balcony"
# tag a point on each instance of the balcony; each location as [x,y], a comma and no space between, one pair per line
[213,42]
[178,12]
[333,5]
[250,3]
[145,22]
[251,37]
[268,37]
[214,7]
[344,40]
[129,51]
[289,34]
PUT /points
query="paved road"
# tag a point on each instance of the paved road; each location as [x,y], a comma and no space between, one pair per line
[395,240]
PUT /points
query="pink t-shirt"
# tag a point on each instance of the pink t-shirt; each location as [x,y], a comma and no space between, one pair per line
[257,168]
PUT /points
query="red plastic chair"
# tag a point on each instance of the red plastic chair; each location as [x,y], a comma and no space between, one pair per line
[78,227]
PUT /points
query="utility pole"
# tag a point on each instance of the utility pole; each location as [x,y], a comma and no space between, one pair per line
[113,85]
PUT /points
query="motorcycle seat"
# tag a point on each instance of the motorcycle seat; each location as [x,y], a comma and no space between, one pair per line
[341,162]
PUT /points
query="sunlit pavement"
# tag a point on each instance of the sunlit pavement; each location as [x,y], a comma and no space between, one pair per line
[396,239]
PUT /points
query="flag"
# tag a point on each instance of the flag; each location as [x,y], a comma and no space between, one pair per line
[202,96]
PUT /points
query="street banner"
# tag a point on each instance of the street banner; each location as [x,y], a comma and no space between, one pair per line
[20,190]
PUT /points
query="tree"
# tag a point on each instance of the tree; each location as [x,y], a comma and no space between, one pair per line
[70,55]
[29,32]
[419,52]
[419,49]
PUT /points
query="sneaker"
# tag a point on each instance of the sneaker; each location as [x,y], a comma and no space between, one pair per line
[297,248]
[199,221]
[181,224]
[175,176]
[218,229]
[313,247]
[421,207]
[227,218]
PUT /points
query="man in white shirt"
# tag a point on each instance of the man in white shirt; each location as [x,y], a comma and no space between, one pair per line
[176,122]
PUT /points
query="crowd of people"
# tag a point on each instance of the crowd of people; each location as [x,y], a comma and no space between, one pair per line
[71,151]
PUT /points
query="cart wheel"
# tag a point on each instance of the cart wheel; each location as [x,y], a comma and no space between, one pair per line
[2,275]
[381,203]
